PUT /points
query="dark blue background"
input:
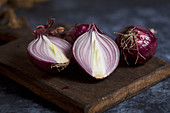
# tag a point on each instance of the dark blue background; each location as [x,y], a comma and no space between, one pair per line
[110,16]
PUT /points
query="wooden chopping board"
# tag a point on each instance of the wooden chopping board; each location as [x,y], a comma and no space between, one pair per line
[83,94]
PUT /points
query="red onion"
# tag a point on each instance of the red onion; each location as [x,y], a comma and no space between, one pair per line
[137,44]
[48,53]
[76,31]
[96,53]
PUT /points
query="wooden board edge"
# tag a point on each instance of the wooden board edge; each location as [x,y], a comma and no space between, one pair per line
[131,90]
[69,107]
[109,100]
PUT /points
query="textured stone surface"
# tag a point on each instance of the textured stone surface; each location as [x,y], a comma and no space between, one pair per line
[110,16]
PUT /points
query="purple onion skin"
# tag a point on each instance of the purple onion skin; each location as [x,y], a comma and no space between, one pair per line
[146,42]
[43,66]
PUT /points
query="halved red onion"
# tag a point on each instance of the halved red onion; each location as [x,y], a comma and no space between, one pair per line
[50,54]
[96,53]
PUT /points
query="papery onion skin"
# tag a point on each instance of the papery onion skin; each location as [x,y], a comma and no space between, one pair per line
[110,49]
[44,64]
[144,49]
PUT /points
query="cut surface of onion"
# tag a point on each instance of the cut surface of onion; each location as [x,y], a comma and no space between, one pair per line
[96,53]
[49,52]
[54,52]
[98,64]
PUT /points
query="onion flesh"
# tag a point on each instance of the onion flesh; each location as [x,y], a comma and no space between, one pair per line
[49,53]
[96,53]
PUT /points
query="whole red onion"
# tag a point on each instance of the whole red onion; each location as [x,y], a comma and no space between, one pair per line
[76,31]
[137,44]
[96,53]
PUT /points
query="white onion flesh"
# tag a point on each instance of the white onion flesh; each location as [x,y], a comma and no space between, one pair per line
[98,64]
[55,52]
[49,49]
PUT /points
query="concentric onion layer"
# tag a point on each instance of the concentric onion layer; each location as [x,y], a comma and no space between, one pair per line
[96,53]
[48,51]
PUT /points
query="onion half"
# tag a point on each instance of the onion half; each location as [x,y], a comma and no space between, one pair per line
[49,54]
[96,53]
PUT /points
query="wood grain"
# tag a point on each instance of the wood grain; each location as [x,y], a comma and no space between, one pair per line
[84,94]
